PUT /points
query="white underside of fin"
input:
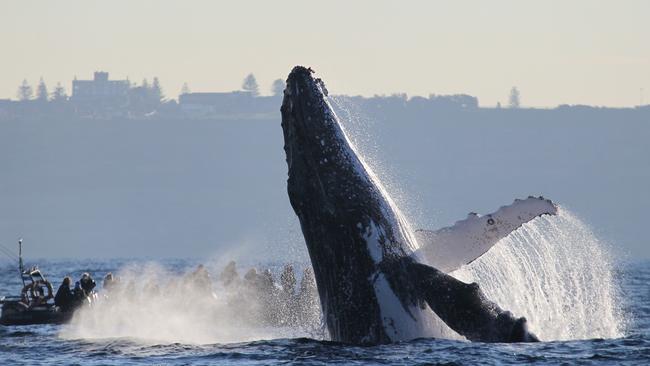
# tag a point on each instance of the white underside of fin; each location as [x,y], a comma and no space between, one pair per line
[450,248]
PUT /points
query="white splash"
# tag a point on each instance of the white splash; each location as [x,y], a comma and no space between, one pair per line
[557,274]
[153,305]
[552,270]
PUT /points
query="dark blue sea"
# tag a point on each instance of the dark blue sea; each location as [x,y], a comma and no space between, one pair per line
[96,342]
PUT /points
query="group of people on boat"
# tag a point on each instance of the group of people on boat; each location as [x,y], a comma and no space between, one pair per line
[258,296]
[68,298]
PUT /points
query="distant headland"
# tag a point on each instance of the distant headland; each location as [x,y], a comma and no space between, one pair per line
[101,98]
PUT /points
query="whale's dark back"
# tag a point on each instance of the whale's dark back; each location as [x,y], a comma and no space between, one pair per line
[334,199]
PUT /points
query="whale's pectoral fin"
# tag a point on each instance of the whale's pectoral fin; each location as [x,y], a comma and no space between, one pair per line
[465,309]
[452,247]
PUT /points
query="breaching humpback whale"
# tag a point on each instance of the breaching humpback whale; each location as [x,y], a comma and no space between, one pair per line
[373,280]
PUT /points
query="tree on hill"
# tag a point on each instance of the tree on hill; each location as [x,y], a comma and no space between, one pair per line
[58,94]
[25,91]
[277,88]
[156,90]
[185,89]
[514,100]
[250,85]
[41,91]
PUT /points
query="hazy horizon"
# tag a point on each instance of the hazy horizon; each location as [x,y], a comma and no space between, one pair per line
[554,52]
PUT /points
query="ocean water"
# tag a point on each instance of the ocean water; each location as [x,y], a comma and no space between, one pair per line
[75,344]
[586,305]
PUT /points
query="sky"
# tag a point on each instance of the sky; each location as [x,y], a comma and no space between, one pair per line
[555,52]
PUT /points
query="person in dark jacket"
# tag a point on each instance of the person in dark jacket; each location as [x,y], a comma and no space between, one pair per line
[65,298]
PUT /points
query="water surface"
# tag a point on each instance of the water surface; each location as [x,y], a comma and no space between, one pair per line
[53,344]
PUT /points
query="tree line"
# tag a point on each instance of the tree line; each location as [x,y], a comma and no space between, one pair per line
[26,92]
[153,90]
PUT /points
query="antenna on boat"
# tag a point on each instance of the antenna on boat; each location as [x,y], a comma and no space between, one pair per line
[20,255]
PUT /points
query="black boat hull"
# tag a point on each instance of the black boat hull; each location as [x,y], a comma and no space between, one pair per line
[14,313]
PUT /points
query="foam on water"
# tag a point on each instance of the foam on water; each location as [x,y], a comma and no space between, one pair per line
[553,271]
[152,304]
[557,274]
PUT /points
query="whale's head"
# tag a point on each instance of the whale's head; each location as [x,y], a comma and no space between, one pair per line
[322,164]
